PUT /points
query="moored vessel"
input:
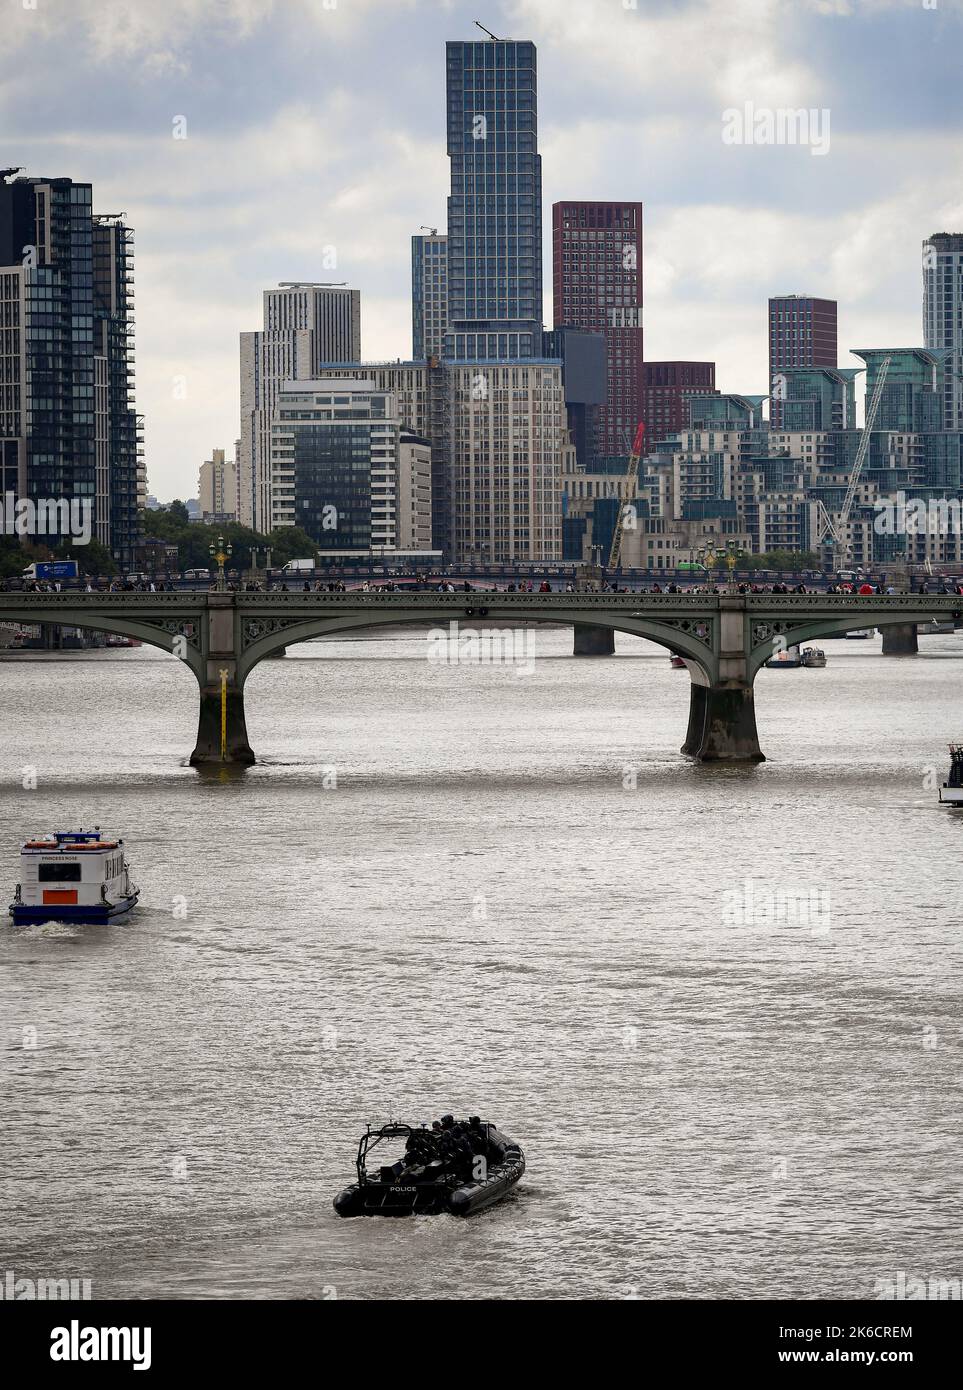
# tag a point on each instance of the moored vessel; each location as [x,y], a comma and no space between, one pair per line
[73,876]
[860,632]
[812,656]
[676,661]
[951,791]
[450,1166]
[787,660]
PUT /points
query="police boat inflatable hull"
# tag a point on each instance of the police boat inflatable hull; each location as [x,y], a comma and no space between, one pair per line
[461,1170]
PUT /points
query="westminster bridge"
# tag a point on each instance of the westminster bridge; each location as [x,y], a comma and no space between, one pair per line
[724,638]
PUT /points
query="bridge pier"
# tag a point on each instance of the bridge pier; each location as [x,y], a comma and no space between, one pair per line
[900,639]
[722,724]
[698,702]
[216,717]
[593,641]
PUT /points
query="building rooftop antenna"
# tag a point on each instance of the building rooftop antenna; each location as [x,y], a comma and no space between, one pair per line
[488,32]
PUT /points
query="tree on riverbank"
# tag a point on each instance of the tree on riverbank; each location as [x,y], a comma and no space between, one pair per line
[194,539]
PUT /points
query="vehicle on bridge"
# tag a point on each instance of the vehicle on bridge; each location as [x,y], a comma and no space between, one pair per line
[52,569]
[73,876]
[454,1167]
[951,790]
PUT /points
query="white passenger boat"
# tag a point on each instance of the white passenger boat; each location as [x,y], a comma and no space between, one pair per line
[73,876]
[951,790]
[861,632]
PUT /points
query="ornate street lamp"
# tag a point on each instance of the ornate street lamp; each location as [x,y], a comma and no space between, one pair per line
[734,552]
[221,553]
[708,557]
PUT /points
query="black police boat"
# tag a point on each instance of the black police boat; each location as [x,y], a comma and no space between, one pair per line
[460,1167]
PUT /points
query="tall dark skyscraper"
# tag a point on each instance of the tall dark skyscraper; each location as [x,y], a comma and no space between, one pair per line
[943,315]
[68,429]
[495,207]
[802,333]
[597,274]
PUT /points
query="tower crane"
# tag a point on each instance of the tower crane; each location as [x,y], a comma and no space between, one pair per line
[627,490]
[835,528]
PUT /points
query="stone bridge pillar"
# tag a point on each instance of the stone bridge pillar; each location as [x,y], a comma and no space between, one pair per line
[221,727]
[722,713]
[900,639]
[591,640]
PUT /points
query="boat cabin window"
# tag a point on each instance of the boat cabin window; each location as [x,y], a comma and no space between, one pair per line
[58,873]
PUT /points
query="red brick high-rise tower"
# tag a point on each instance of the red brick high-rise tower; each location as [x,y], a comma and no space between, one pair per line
[597,278]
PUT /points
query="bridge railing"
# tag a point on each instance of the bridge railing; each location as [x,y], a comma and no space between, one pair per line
[853,602]
[377,598]
[72,598]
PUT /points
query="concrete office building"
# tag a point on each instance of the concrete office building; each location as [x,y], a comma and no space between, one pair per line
[414,493]
[304,324]
[508,434]
[429,295]
[331,312]
[347,472]
[217,488]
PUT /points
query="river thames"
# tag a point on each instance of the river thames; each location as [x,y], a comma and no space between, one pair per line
[718,1007]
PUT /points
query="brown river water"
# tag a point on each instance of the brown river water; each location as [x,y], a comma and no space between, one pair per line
[719,1008]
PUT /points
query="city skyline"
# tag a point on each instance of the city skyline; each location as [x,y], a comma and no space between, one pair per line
[369,167]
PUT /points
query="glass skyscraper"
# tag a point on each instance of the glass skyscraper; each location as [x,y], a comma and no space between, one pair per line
[943,315]
[68,426]
[495,207]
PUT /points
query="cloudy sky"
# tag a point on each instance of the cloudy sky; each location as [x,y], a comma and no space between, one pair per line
[313,124]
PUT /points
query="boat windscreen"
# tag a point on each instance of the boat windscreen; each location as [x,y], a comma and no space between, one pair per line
[58,873]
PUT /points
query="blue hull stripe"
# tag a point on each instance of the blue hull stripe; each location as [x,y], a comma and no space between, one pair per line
[95,914]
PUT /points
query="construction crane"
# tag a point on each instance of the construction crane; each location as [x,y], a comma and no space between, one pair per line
[432,230]
[835,528]
[627,491]
[486,31]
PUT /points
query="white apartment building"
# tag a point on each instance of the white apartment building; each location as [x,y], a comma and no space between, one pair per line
[217,486]
[304,324]
[345,470]
[507,437]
